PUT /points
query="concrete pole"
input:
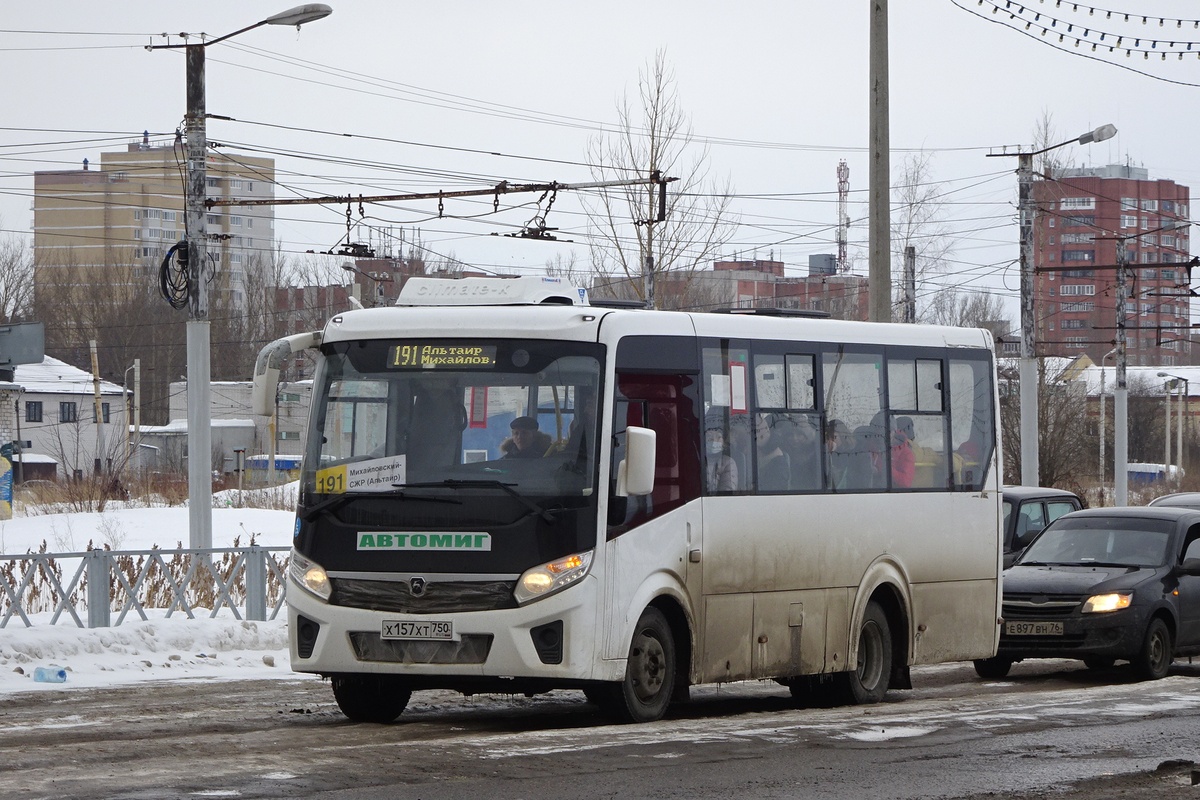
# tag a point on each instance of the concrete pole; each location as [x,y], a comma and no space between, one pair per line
[880,263]
[910,284]
[1179,435]
[1121,395]
[137,415]
[97,412]
[1103,428]
[198,334]
[1027,365]
[1167,389]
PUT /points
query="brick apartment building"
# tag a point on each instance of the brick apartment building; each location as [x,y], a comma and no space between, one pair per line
[1082,217]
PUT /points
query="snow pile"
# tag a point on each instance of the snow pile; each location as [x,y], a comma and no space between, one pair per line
[159,648]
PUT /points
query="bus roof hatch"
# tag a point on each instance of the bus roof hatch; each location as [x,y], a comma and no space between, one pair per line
[518,291]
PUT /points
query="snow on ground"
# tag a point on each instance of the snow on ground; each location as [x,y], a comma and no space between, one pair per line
[174,649]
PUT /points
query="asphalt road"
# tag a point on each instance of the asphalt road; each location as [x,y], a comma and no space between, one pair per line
[1052,729]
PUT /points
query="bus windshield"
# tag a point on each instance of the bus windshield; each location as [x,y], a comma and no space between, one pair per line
[398,415]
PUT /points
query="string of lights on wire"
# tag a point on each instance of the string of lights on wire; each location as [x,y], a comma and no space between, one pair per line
[1067,31]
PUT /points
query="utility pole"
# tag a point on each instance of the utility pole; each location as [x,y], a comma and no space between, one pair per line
[1121,393]
[100,461]
[1027,369]
[199,354]
[1027,365]
[910,284]
[880,267]
[198,328]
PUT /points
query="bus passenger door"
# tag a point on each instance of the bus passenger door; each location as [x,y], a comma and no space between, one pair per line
[650,538]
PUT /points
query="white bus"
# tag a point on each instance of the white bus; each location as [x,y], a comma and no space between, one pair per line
[706,498]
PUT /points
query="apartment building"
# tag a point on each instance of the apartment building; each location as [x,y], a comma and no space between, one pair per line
[1084,217]
[114,224]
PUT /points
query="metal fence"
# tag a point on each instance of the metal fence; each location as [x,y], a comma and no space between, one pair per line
[105,586]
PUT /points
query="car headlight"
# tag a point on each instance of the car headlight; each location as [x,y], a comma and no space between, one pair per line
[1098,603]
[546,579]
[310,575]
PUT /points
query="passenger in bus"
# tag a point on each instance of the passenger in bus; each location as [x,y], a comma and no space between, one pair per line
[869,459]
[903,458]
[525,441]
[838,444]
[798,440]
[722,472]
[583,428]
[774,470]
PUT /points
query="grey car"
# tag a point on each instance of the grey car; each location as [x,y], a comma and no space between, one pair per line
[1103,585]
[1028,510]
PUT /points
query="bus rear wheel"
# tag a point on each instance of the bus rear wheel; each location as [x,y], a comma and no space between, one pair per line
[645,692]
[868,682]
[370,698]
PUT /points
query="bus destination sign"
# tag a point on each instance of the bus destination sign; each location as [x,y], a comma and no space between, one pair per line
[429,355]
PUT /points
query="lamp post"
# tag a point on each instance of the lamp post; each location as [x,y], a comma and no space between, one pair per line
[1103,418]
[136,366]
[195,214]
[1182,383]
[1028,376]
[1121,393]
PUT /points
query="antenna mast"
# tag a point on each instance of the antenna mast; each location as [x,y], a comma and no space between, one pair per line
[843,230]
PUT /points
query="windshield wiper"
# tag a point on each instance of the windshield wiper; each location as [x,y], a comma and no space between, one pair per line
[483,484]
[329,504]
[326,506]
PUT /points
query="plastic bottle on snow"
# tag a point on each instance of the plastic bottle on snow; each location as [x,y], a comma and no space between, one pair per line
[50,675]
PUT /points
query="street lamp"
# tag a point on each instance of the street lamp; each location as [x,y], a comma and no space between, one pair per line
[1182,383]
[198,338]
[1121,393]
[1028,364]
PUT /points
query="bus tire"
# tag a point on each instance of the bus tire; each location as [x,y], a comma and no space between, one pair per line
[370,698]
[868,682]
[645,692]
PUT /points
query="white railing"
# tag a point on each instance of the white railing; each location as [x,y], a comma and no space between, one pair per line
[248,581]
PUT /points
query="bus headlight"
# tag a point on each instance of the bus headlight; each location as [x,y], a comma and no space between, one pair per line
[546,579]
[1106,602]
[310,575]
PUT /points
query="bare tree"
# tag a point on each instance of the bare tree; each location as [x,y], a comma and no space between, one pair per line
[917,222]
[654,136]
[16,280]
[952,306]
[1065,448]
[569,270]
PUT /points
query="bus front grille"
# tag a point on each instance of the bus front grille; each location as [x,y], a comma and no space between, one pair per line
[437,598]
[472,648]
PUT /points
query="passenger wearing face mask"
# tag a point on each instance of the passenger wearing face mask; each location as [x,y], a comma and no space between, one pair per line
[721,473]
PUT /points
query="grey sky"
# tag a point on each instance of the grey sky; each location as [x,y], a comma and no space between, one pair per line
[781,85]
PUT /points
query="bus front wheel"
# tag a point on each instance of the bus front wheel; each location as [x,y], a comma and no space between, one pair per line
[645,692]
[370,698]
[868,682]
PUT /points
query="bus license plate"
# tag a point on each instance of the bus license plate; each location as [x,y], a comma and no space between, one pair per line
[1033,628]
[434,630]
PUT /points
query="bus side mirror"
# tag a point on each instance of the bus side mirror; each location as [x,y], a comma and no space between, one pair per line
[637,470]
[270,361]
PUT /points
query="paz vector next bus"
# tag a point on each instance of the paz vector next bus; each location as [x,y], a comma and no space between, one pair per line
[509,489]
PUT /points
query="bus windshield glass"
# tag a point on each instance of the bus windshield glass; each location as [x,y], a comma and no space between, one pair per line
[392,415]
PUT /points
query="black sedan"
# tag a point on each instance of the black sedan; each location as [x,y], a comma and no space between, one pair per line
[1103,585]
